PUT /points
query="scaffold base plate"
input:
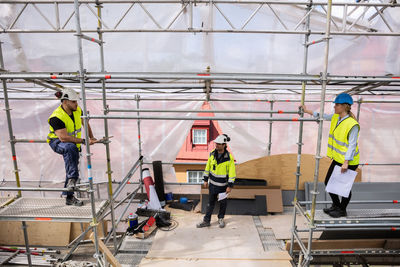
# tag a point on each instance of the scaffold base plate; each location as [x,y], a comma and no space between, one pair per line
[48,209]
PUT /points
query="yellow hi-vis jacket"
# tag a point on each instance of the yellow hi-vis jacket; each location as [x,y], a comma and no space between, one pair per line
[73,129]
[221,172]
[338,142]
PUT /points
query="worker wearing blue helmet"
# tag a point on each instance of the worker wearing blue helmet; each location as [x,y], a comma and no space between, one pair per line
[342,147]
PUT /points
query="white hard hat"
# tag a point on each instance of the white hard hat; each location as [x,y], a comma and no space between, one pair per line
[69,94]
[222,139]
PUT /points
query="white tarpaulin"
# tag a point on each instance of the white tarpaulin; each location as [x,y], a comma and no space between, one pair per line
[193,52]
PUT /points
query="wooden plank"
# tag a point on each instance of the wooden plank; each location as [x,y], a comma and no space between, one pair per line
[392,244]
[147,233]
[279,170]
[155,262]
[76,230]
[103,248]
[39,233]
[342,244]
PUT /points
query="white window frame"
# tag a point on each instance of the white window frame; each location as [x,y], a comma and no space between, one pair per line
[199,178]
[195,138]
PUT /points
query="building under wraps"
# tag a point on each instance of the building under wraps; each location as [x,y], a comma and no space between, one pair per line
[145,68]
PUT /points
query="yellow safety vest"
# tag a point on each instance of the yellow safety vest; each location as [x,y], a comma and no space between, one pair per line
[73,129]
[338,141]
[222,173]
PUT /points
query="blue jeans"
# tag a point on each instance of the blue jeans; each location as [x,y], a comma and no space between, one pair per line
[70,153]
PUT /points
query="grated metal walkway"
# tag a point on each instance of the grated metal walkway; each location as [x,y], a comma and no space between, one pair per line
[49,209]
[133,250]
[267,237]
[360,217]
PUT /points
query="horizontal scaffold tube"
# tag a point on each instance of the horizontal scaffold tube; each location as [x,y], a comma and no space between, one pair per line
[352,202]
[193,76]
[38,189]
[111,117]
[202,111]
[304,3]
[201,30]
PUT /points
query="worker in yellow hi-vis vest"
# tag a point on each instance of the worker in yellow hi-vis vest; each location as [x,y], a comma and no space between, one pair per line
[219,177]
[64,138]
[342,147]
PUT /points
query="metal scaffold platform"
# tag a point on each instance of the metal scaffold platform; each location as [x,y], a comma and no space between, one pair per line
[49,209]
[361,216]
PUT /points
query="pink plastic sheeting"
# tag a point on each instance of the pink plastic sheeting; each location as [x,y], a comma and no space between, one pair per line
[161,139]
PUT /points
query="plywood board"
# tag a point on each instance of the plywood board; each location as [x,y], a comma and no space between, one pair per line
[149,262]
[281,224]
[279,170]
[76,230]
[238,240]
[39,233]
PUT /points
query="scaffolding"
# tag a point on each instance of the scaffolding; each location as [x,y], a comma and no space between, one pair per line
[203,83]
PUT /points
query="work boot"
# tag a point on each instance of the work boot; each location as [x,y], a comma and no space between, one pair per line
[71,185]
[331,208]
[203,224]
[221,223]
[72,200]
[338,212]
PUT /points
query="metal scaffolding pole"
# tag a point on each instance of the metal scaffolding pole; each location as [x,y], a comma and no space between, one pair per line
[206,111]
[13,153]
[314,193]
[191,118]
[300,140]
[106,135]
[140,146]
[9,123]
[250,78]
[359,108]
[86,121]
[270,129]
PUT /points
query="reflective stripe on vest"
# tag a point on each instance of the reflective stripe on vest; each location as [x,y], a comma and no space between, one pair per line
[338,140]
[73,128]
[216,183]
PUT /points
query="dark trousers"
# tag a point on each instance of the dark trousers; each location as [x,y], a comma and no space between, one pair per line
[212,198]
[335,198]
[70,153]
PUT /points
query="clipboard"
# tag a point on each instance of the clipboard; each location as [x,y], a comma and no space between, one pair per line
[341,183]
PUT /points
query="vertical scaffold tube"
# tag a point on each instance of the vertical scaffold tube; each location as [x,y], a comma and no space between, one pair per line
[88,159]
[270,129]
[106,135]
[321,112]
[13,154]
[301,124]
[140,146]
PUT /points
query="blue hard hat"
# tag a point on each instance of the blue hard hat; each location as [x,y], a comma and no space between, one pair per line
[343,98]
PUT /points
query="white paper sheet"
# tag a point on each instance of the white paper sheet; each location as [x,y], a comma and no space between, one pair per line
[222,196]
[341,183]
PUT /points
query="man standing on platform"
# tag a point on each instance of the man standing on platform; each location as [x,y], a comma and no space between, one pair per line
[65,138]
[219,177]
